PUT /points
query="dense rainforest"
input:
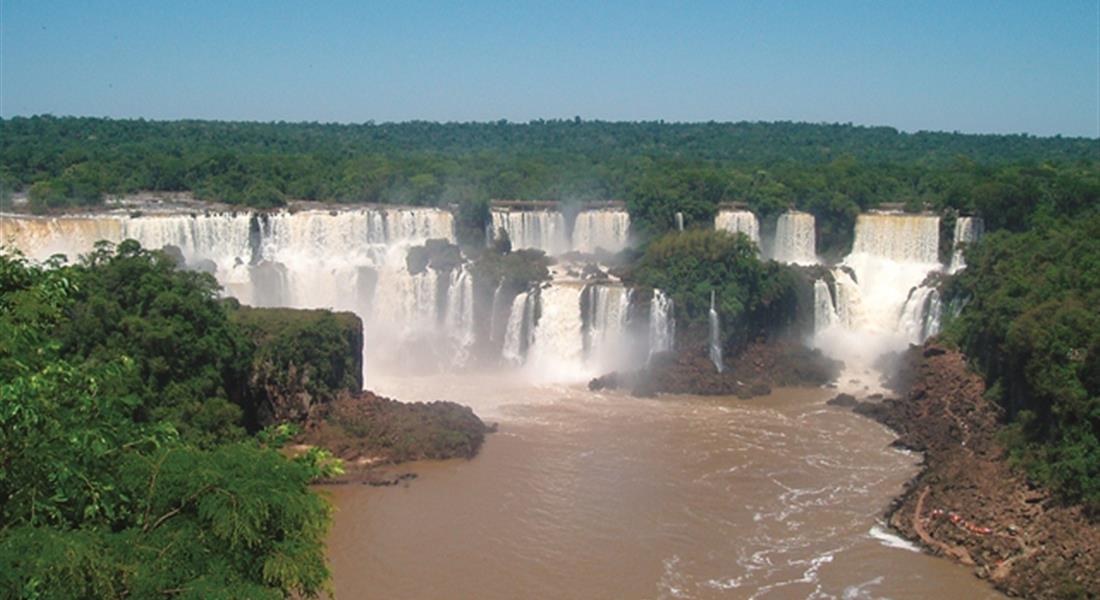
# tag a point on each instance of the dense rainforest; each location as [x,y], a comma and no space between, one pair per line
[1031,325]
[658,168]
[127,467]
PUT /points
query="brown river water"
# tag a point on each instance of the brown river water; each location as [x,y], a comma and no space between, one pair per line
[585,495]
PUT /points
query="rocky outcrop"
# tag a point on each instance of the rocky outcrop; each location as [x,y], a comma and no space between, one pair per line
[752,372]
[307,370]
[301,360]
[366,430]
[968,503]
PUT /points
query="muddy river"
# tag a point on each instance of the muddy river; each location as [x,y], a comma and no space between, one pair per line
[583,495]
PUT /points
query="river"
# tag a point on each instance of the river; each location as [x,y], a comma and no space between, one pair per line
[586,495]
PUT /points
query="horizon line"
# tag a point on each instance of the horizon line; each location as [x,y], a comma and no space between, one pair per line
[542,120]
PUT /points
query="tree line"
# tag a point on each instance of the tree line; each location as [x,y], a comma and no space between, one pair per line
[831,170]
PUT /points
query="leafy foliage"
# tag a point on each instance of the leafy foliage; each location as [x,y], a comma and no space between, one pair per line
[302,358]
[100,494]
[658,168]
[1033,327]
[752,297]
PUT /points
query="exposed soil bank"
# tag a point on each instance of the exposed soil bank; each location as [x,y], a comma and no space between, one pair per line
[753,372]
[967,503]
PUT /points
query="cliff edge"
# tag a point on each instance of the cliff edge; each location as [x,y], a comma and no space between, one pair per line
[968,503]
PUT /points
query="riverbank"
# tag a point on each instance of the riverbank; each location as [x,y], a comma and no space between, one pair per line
[968,503]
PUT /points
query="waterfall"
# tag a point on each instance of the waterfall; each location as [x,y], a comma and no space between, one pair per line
[662,324]
[41,237]
[514,333]
[494,311]
[880,303]
[739,221]
[557,349]
[715,336]
[795,240]
[459,319]
[679,221]
[538,229]
[605,318]
[898,237]
[967,231]
[920,315]
[606,229]
[824,311]
[354,259]
[849,305]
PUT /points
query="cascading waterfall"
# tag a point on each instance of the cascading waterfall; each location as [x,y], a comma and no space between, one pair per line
[459,320]
[662,324]
[345,260]
[824,309]
[494,310]
[849,302]
[515,333]
[738,221]
[715,336]
[920,315]
[880,304]
[606,310]
[967,231]
[41,237]
[537,229]
[898,237]
[545,230]
[606,229]
[795,240]
[558,345]
[679,221]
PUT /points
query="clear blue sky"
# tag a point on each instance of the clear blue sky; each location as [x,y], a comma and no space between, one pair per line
[999,67]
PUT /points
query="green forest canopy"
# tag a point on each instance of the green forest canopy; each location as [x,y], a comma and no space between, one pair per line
[125,470]
[832,170]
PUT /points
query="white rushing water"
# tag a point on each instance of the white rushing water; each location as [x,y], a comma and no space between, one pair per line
[825,314]
[880,303]
[967,231]
[795,239]
[546,230]
[515,334]
[662,324]
[715,335]
[601,229]
[351,260]
[532,229]
[605,314]
[557,347]
[738,221]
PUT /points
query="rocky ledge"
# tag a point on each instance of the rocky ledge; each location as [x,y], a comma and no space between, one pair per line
[968,503]
[368,431]
[307,371]
[753,372]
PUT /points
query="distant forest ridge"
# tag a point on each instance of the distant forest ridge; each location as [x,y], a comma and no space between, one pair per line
[658,168]
[750,142]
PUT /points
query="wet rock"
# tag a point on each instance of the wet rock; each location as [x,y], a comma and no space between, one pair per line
[844,400]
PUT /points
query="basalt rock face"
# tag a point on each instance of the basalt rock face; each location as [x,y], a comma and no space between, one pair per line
[968,503]
[752,372]
[301,360]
